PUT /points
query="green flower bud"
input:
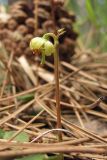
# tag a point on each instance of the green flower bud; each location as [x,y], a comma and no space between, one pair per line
[36,44]
[42,46]
[48,48]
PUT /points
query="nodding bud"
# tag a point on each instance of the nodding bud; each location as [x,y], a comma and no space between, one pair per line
[48,48]
[36,44]
[42,46]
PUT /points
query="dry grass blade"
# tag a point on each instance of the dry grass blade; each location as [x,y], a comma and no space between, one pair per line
[26,125]
[25,92]
[81,72]
[25,65]
[72,126]
[51,149]
[13,115]
[6,74]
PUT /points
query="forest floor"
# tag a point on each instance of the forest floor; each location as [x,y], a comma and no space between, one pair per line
[28,112]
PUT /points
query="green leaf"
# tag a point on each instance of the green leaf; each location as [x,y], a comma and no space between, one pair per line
[1,133]
[22,137]
[56,157]
[100,11]
[26,98]
[33,157]
[90,11]
[42,157]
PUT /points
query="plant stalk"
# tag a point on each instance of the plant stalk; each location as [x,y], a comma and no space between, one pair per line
[58,108]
